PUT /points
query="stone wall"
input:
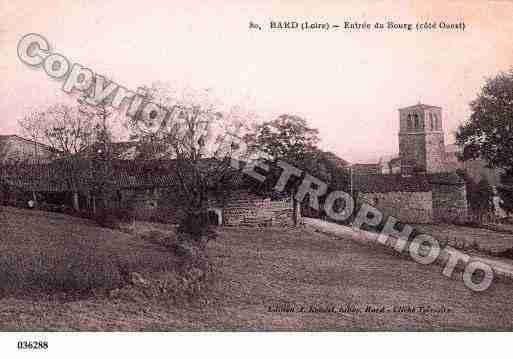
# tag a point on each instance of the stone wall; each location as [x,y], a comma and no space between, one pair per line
[238,208]
[152,204]
[449,202]
[244,208]
[408,207]
[475,168]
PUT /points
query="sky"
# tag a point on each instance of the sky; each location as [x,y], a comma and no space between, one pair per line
[347,84]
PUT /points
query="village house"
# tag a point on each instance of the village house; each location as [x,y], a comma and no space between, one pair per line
[145,190]
[14,148]
[417,186]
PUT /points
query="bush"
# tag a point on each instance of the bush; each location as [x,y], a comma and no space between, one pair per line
[506,194]
[195,223]
[164,239]
[110,218]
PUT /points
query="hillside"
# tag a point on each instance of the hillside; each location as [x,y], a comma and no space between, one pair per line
[256,272]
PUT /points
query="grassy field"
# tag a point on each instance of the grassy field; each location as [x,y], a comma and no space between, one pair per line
[489,241]
[254,270]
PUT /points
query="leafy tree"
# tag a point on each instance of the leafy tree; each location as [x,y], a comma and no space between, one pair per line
[506,194]
[483,196]
[288,138]
[99,155]
[479,195]
[488,133]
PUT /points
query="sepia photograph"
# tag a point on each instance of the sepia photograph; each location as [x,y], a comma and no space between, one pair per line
[234,167]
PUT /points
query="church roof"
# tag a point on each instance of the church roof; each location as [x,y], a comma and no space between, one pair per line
[420,106]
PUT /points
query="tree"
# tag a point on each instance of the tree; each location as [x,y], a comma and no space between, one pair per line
[506,195]
[505,190]
[5,152]
[288,138]
[99,154]
[195,139]
[488,133]
[71,133]
[479,195]
[483,197]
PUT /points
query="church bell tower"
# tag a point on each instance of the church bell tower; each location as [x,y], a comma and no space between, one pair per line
[421,139]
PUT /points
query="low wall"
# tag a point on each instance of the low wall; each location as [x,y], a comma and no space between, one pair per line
[408,207]
[243,208]
[238,208]
[449,202]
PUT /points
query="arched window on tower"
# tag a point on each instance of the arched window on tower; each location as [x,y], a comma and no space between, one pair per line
[417,121]
[436,122]
[431,122]
[409,122]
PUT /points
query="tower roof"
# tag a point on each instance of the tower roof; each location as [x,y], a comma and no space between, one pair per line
[420,106]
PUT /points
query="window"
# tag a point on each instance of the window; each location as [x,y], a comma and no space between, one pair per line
[409,122]
[436,122]
[432,122]
[417,122]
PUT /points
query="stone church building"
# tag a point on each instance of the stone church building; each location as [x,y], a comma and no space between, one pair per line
[424,189]
[421,139]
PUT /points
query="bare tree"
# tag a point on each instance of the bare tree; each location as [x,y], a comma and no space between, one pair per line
[71,133]
[5,152]
[197,137]
[100,154]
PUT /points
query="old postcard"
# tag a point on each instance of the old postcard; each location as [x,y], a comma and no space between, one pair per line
[255,166]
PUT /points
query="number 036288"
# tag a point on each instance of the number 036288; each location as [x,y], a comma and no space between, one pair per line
[33,345]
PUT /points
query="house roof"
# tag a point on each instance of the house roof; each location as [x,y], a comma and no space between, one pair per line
[391,183]
[386,158]
[19,138]
[363,169]
[65,175]
[446,178]
[398,183]
[330,156]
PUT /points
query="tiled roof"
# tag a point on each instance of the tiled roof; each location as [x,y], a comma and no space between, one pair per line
[366,169]
[446,178]
[330,156]
[19,138]
[57,176]
[398,183]
[391,183]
